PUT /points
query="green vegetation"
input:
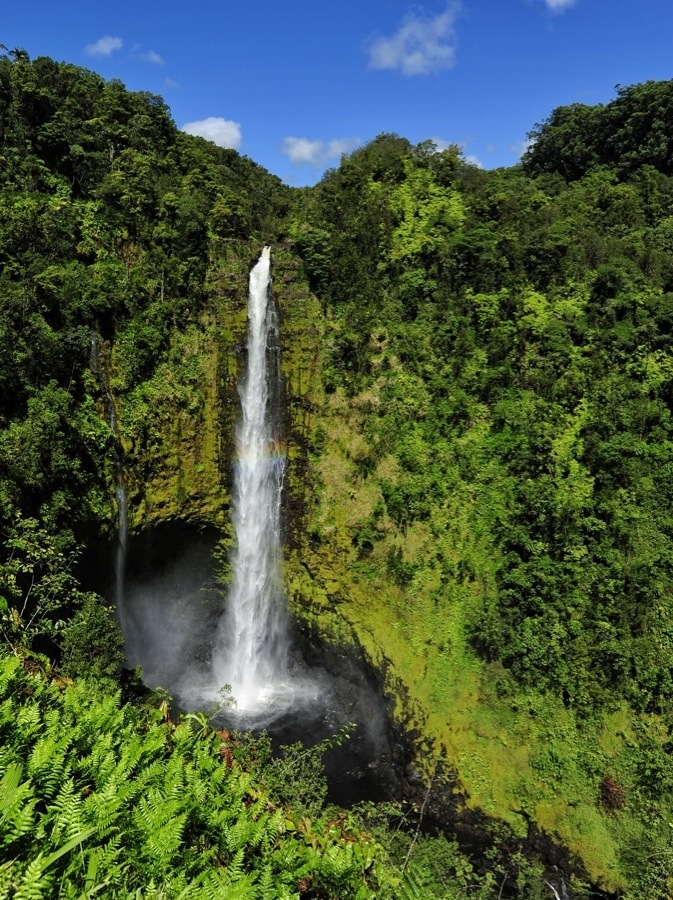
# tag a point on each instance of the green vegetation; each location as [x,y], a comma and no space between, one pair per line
[103,799]
[492,510]
[480,383]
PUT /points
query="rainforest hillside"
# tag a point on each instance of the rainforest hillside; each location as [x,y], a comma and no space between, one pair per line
[534,312]
[480,385]
[493,503]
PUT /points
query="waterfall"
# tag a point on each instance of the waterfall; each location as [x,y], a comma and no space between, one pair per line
[252,635]
[120,491]
[122,539]
[166,612]
[122,509]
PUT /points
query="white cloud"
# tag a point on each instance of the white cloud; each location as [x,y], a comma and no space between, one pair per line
[474,161]
[304,152]
[169,83]
[104,46]
[220,131]
[441,145]
[559,5]
[151,57]
[520,147]
[148,56]
[419,47]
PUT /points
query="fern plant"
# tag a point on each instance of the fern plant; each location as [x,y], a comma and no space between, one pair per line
[99,799]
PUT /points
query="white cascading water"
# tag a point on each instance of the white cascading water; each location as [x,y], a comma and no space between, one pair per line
[166,612]
[122,515]
[252,646]
[120,492]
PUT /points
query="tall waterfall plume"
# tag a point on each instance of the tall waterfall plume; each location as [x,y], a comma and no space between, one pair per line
[167,605]
[252,645]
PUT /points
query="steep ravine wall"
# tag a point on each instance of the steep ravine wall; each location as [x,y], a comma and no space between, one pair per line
[481,755]
[486,758]
[520,763]
[454,733]
[177,426]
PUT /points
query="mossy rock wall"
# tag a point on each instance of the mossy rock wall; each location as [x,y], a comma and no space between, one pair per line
[525,763]
[176,428]
[522,758]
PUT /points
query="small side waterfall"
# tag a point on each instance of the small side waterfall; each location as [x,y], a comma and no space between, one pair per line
[102,374]
[252,646]
[122,541]
[122,510]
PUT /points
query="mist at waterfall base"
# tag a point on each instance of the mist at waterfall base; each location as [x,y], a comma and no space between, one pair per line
[192,643]
[173,607]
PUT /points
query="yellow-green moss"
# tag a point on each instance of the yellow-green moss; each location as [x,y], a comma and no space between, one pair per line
[517,759]
[177,426]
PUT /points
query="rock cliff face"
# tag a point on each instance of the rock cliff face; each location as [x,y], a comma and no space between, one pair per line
[342,550]
[177,428]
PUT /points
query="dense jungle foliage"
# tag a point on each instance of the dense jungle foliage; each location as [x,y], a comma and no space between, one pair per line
[107,217]
[497,421]
[501,350]
[542,309]
[109,221]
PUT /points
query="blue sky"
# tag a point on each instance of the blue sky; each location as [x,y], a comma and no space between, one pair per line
[295,83]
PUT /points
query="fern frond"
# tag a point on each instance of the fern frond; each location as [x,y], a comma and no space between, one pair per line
[67,813]
[414,884]
[273,827]
[163,843]
[235,867]
[174,780]
[131,755]
[217,884]
[267,885]
[21,821]
[241,833]
[8,872]
[7,712]
[100,762]
[108,862]
[9,786]
[102,809]
[195,784]
[9,666]
[34,882]
[29,720]
[154,810]
[151,773]
[47,764]
[17,806]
